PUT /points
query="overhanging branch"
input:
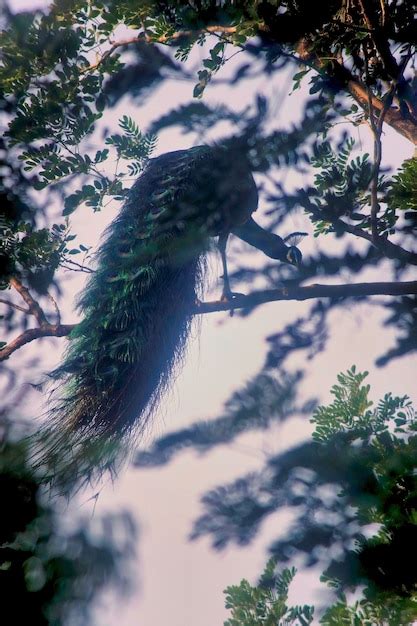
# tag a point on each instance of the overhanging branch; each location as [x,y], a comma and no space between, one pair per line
[304,55]
[33,306]
[358,90]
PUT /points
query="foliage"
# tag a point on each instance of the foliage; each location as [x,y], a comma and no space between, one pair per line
[341,184]
[49,575]
[354,492]
[266,604]
[403,192]
[60,72]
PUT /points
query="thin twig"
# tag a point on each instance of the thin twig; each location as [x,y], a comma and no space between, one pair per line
[382,4]
[81,267]
[376,131]
[163,39]
[14,306]
[376,127]
[57,311]
[379,39]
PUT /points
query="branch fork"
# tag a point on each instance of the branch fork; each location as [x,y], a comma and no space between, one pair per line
[44,329]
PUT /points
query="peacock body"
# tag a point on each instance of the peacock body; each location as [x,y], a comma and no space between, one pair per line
[136,306]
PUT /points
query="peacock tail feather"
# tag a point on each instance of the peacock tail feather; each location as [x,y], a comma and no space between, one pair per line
[136,320]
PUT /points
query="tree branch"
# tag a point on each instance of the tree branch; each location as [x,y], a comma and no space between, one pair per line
[386,247]
[14,306]
[358,90]
[304,56]
[308,293]
[358,290]
[47,330]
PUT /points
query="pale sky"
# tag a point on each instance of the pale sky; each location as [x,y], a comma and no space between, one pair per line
[181,583]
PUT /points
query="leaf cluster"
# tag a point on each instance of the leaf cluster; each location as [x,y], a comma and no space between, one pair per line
[266,604]
[403,189]
[354,493]
[32,253]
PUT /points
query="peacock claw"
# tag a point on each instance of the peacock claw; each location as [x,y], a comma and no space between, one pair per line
[228,297]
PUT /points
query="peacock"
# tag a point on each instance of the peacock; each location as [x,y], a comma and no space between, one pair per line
[136,308]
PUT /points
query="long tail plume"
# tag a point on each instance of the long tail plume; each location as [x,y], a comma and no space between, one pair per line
[136,320]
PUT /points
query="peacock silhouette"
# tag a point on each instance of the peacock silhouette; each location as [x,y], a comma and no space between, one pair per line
[136,306]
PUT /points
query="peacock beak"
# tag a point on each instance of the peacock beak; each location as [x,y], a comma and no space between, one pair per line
[294,257]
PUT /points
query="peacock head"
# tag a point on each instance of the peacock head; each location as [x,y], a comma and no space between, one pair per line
[294,256]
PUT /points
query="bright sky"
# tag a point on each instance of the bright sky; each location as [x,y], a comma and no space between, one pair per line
[181,583]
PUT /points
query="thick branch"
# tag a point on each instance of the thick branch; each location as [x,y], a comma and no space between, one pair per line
[14,306]
[393,117]
[357,290]
[358,90]
[47,330]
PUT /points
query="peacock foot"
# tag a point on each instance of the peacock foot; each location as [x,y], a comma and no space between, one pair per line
[228,296]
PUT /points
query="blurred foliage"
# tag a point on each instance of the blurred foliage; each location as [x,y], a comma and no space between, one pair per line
[270,397]
[49,575]
[403,318]
[352,491]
